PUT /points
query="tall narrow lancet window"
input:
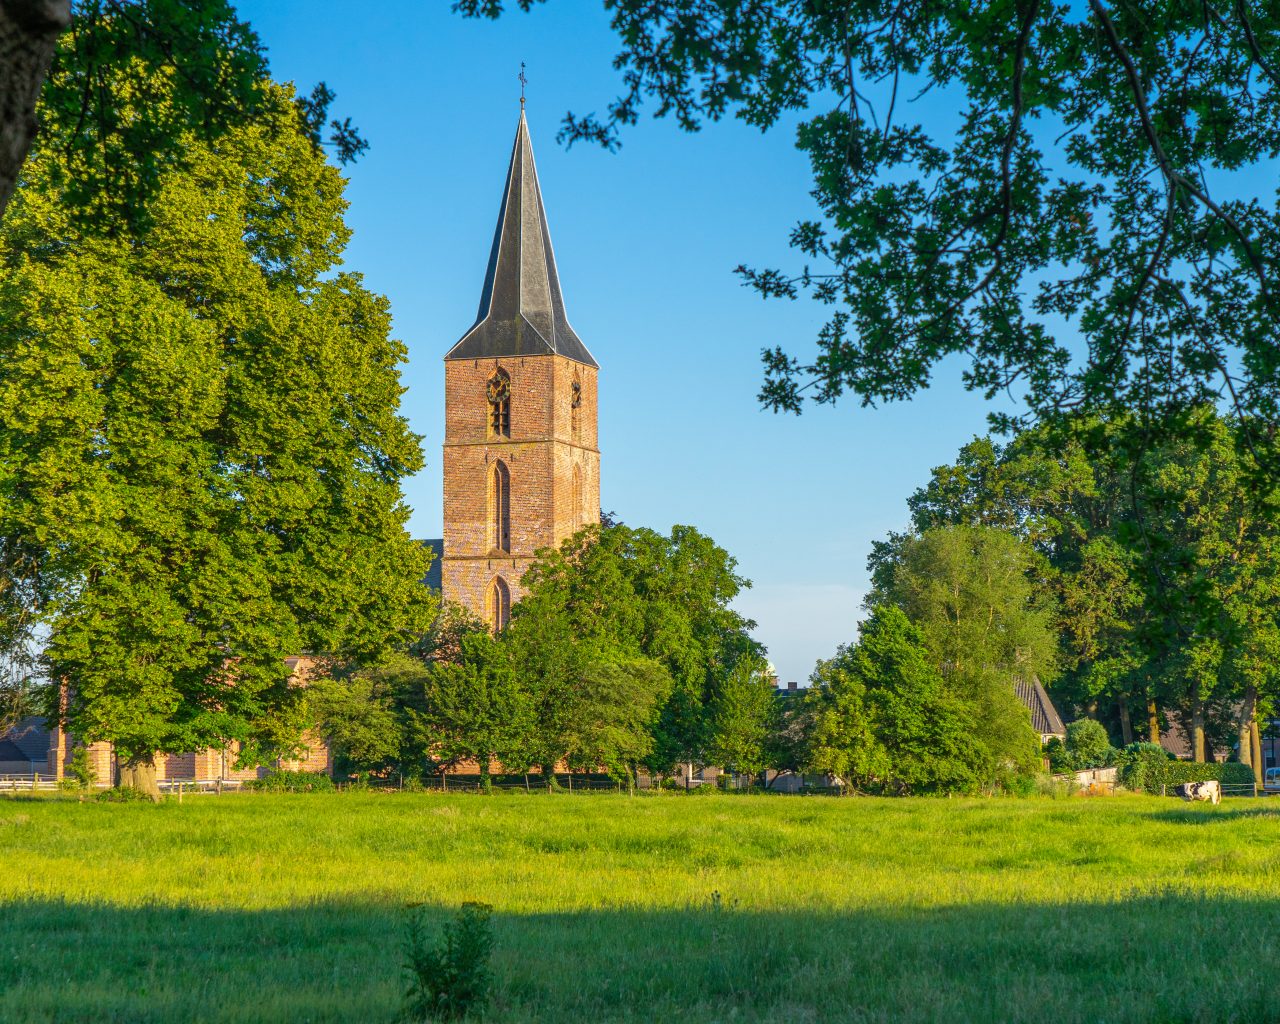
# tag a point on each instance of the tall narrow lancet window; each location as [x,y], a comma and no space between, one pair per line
[498,391]
[498,604]
[579,517]
[575,404]
[499,507]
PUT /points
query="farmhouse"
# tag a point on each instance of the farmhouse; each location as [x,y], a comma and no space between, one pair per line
[521,461]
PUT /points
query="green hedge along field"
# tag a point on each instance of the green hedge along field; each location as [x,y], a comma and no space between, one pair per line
[290,908]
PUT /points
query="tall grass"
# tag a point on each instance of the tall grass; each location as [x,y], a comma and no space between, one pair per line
[290,908]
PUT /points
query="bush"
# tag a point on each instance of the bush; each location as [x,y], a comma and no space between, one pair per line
[1143,767]
[1229,773]
[450,979]
[122,795]
[1047,785]
[1020,785]
[1088,745]
[1056,751]
[1147,767]
[279,781]
[80,769]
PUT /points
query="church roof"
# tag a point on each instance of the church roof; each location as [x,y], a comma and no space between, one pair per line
[521,307]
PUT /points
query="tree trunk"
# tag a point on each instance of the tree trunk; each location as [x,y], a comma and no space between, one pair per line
[1197,727]
[1244,734]
[1153,721]
[1255,738]
[1126,726]
[29,31]
[139,772]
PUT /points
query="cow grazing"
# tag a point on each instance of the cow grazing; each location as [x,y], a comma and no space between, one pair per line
[1209,791]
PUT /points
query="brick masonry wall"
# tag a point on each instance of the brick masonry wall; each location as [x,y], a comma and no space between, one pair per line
[200,765]
[548,443]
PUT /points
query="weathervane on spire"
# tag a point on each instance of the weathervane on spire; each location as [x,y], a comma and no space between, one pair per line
[523,81]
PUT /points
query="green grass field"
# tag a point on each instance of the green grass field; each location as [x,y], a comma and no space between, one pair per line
[278,908]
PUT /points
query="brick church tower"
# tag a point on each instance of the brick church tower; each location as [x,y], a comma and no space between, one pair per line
[521,456]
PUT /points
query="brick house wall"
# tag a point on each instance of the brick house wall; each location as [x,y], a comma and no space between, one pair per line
[201,765]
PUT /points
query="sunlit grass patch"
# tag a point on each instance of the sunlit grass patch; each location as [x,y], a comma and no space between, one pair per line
[607,908]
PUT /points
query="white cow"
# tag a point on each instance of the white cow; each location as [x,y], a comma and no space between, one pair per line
[1210,791]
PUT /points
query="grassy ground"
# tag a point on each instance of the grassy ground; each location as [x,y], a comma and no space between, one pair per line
[290,908]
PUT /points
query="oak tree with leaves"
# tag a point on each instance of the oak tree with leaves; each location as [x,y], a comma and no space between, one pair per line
[1095,227]
[201,453]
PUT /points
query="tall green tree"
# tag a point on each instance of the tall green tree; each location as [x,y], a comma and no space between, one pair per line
[202,452]
[745,715]
[613,594]
[884,718]
[124,86]
[1162,558]
[970,592]
[471,708]
[360,718]
[1087,227]
[616,706]
[1208,546]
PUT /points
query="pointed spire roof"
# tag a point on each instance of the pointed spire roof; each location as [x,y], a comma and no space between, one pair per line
[521,308]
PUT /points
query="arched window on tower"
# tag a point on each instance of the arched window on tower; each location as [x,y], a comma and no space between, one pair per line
[575,405]
[497,604]
[578,516]
[499,507]
[498,392]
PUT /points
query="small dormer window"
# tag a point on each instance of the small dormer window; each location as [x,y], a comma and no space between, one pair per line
[498,391]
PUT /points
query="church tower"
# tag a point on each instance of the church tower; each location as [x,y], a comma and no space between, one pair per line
[521,456]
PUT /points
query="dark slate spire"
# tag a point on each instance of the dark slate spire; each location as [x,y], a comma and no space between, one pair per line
[521,308]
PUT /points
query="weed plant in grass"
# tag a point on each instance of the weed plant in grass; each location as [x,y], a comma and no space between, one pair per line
[269,908]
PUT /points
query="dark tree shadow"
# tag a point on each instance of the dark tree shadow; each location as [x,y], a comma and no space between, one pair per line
[1171,958]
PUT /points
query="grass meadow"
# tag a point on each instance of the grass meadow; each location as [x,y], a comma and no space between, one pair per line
[290,908]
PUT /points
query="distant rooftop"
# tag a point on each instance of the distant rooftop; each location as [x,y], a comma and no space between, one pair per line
[1044,716]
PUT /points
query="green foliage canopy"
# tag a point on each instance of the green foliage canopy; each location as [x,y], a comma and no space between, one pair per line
[610,596]
[1086,228]
[202,453]
[883,717]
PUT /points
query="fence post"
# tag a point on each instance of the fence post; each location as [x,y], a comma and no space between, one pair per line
[35,781]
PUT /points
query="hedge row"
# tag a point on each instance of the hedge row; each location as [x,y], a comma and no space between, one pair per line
[1146,766]
[280,781]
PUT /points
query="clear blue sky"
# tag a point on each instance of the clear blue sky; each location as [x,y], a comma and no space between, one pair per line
[646,240]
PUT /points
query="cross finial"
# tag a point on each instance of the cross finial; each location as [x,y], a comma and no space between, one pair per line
[523,82]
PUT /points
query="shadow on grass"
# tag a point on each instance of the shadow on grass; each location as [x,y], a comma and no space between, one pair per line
[1182,813]
[1169,958]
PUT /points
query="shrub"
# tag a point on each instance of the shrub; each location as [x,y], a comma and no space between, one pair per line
[280,781]
[80,769]
[450,979]
[1143,767]
[1147,767]
[122,795]
[1056,751]
[1236,774]
[1229,773]
[1020,785]
[1088,745]
[1047,785]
